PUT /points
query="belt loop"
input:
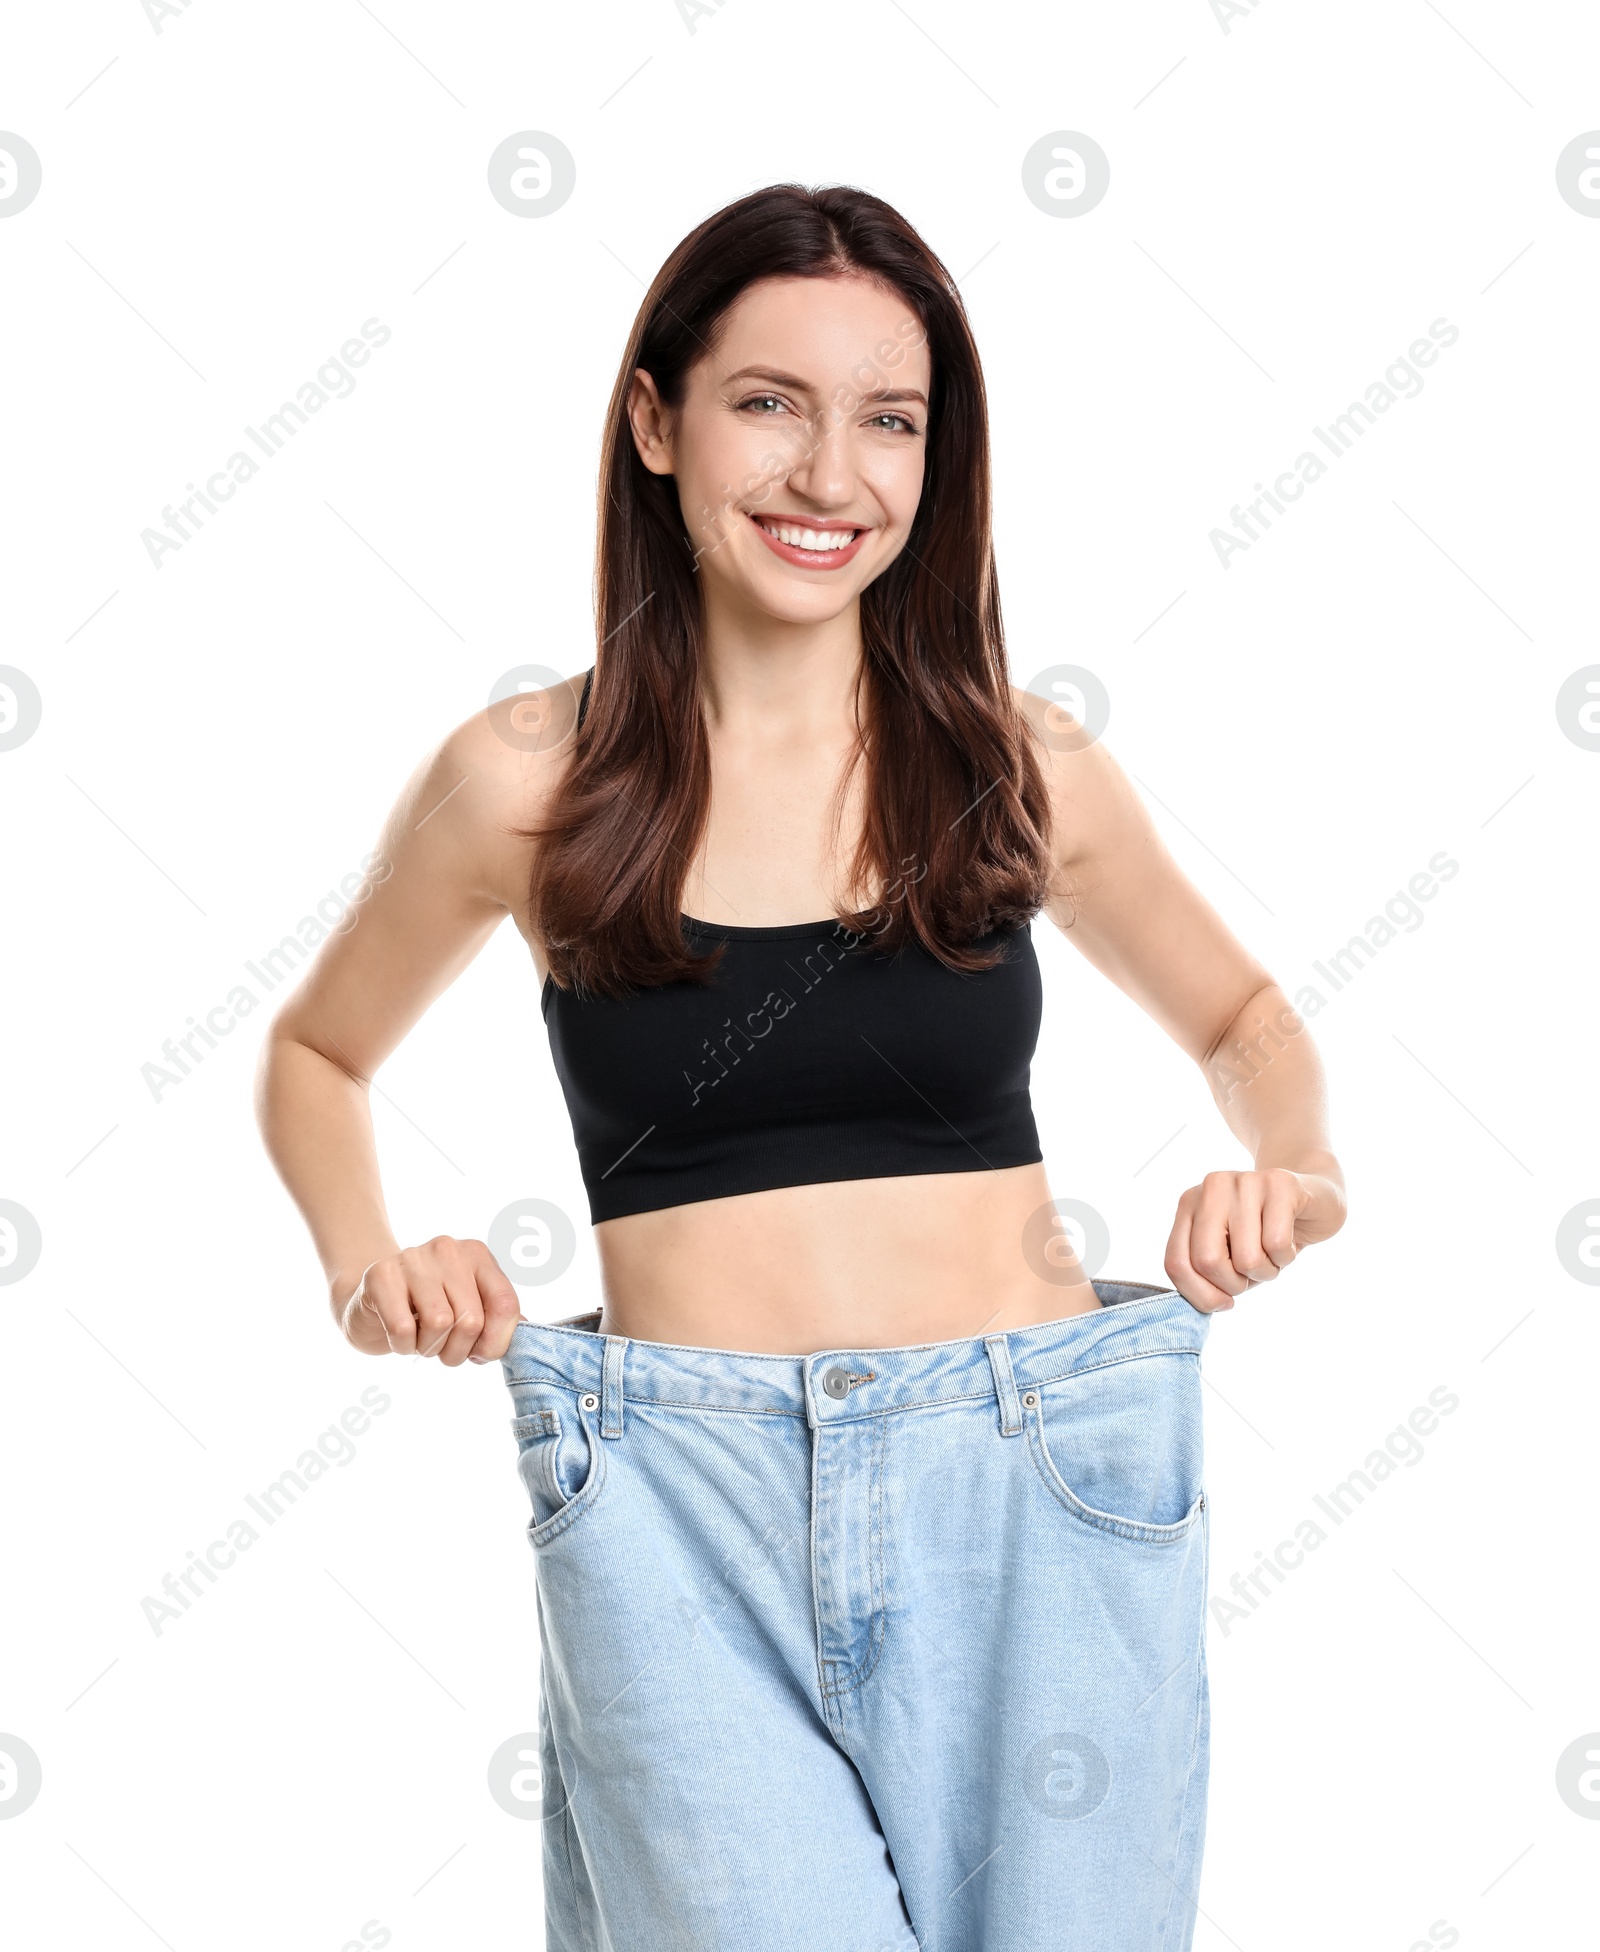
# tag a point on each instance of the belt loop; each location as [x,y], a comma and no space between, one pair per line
[611,1387]
[1005,1385]
[807,1365]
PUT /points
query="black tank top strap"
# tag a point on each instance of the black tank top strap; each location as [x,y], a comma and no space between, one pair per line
[583,702]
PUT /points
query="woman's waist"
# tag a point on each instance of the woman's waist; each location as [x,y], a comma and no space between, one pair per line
[867,1263]
[592,1356]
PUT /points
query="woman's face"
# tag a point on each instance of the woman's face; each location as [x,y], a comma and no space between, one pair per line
[799,446]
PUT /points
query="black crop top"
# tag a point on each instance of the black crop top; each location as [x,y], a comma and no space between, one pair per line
[810,1056]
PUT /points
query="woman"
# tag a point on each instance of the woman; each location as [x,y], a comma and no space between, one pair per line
[869,1529]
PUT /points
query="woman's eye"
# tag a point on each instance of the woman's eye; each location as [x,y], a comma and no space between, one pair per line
[765,402]
[892,421]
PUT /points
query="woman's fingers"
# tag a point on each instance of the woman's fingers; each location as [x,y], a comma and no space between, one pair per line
[1285,1196]
[379,1312]
[1233,1231]
[1200,1244]
[448,1298]
[1195,1288]
[430,1302]
[502,1309]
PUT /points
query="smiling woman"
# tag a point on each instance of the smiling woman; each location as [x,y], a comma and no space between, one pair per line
[869,387]
[870,1529]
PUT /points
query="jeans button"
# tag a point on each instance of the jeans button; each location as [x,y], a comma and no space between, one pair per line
[836,1381]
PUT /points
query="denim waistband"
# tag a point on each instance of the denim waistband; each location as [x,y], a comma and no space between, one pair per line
[843,1384]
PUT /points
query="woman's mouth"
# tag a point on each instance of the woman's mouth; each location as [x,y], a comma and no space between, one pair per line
[810,544]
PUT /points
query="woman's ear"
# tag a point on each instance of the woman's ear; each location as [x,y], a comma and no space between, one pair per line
[651,423]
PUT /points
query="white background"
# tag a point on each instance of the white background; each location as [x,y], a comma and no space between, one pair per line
[304,1750]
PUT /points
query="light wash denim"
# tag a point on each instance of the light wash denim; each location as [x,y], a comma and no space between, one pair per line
[871,1649]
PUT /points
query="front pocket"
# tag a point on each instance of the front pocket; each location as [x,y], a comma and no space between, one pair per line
[1120,1446]
[559,1455]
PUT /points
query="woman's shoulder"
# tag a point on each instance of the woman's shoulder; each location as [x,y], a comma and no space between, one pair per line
[493,777]
[1057,720]
[519,747]
[1092,801]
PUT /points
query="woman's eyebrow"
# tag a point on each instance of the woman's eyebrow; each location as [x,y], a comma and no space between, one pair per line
[805,386]
[771,373]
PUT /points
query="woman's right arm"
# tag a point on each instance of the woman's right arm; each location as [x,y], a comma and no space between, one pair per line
[448,870]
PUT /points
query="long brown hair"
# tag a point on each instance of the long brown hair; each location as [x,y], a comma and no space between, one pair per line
[955,808]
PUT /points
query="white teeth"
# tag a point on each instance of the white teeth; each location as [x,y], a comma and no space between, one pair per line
[812,539]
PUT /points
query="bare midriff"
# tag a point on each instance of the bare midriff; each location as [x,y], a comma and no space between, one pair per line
[847,1264]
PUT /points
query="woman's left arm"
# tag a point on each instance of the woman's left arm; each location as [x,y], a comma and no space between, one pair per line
[1236,1229]
[1121,899]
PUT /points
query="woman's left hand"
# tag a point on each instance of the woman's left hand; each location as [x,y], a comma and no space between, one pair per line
[1235,1230]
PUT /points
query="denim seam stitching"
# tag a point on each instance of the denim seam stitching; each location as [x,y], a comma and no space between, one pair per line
[578,1504]
[541,1423]
[578,1906]
[923,1403]
[1091,1515]
[1028,1382]
[1093,1368]
[1187,1809]
[720,1409]
[1122,1528]
[824,1692]
[879,1630]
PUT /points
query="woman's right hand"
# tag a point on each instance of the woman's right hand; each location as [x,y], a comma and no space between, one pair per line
[448,1299]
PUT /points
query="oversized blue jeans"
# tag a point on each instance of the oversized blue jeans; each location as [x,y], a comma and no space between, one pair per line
[875,1648]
